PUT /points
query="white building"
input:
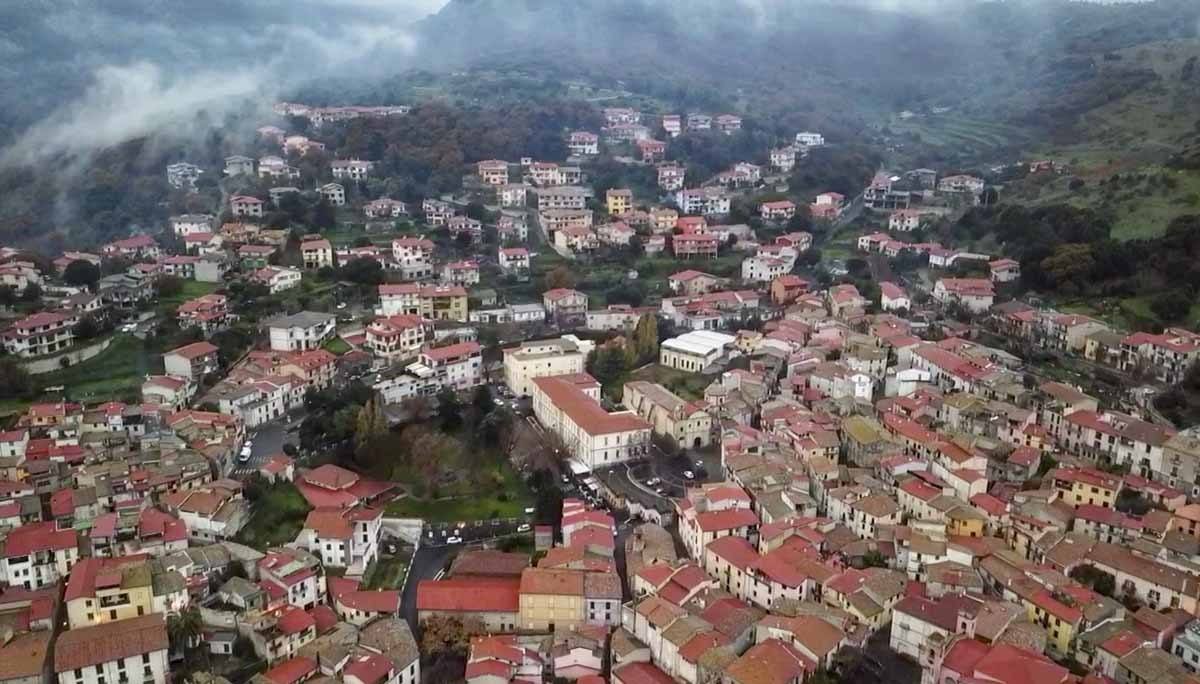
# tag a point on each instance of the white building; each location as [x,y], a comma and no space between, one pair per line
[569,407]
[696,351]
[130,651]
[707,201]
[302,331]
[458,366]
[343,538]
[806,139]
[542,358]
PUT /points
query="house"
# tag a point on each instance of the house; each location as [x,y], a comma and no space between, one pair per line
[351,169]
[333,193]
[1167,355]
[398,336]
[513,260]
[551,598]
[670,176]
[40,333]
[698,351]
[892,297]
[807,139]
[192,361]
[728,123]
[688,424]
[136,247]
[277,278]
[651,151]
[974,294]
[765,267]
[689,245]
[208,312]
[342,538]
[786,288]
[186,224]
[433,302]
[619,201]
[245,205]
[183,176]
[457,366]
[211,513]
[133,650]
[385,207]
[827,205]
[1005,270]
[274,167]
[692,282]
[437,212]
[239,165]
[961,184]
[783,159]
[464,272]
[301,331]
[36,555]
[706,201]
[563,302]
[576,239]
[569,407]
[583,143]
[781,210]
[566,355]
[904,220]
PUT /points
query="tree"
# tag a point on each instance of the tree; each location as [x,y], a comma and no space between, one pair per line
[87,327]
[645,338]
[184,629]
[15,381]
[1171,306]
[82,273]
[560,277]
[362,271]
[323,214]
[442,634]
[449,409]
[169,286]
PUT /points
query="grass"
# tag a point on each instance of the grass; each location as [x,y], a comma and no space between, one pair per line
[337,346]
[507,499]
[387,572]
[112,374]
[689,386]
[277,518]
[190,290]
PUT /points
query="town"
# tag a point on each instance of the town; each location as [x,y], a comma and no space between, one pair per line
[549,426]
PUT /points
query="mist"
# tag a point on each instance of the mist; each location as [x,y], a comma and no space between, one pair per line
[96,75]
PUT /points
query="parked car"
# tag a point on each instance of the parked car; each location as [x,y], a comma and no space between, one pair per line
[523,527]
[453,540]
[689,474]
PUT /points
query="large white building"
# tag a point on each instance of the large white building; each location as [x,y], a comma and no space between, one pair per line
[343,538]
[458,366]
[131,651]
[569,407]
[301,331]
[542,358]
[688,423]
[695,351]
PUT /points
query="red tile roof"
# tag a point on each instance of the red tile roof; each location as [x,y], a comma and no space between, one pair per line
[87,646]
[292,671]
[383,601]
[470,594]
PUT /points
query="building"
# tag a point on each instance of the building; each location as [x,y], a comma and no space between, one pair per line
[583,143]
[245,205]
[457,366]
[187,224]
[183,176]
[806,139]
[131,651]
[333,193]
[277,278]
[551,599]
[974,294]
[494,601]
[41,333]
[208,312]
[397,337]
[904,220]
[301,331]
[342,538]
[569,407]
[316,253]
[706,201]
[690,245]
[783,159]
[619,201]
[1005,270]
[687,423]
[562,302]
[433,302]
[892,297]
[566,355]
[781,210]
[961,183]
[563,197]
[192,361]
[513,260]
[351,169]
[698,351]
[671,176]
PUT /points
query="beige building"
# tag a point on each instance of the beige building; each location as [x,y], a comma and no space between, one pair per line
[542,358]
[569,407]
[551,599]
[686,422]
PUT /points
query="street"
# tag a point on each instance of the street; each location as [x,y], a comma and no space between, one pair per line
[427,562]
[269,439]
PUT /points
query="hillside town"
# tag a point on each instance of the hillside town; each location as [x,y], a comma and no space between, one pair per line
[544,429]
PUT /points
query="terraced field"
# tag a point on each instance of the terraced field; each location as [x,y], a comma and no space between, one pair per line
[960,134]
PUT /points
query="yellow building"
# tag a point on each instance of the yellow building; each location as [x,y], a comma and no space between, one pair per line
[965,521]
[102,590]
[1077,486]
[444,303]
[619,201]
[1060,620]
[551,599]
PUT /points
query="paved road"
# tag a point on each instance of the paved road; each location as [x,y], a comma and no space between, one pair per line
[269,439]
[427,562]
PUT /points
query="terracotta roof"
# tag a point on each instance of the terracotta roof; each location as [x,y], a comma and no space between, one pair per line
[292,671]
[564,393]
[641,673]
[382,601]
[34,537]
[470,594]
[25,656]
[330,476]
[770,662]
[557,582]
[87,646]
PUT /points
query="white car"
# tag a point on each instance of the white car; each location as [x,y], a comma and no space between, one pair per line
[523,527]
[453,540]
[653,481]
[129,327]
[341,305]
[689,474]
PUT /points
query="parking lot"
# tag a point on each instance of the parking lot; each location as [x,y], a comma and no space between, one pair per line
[267,440]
